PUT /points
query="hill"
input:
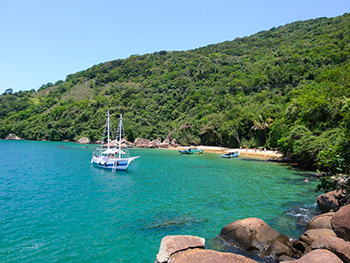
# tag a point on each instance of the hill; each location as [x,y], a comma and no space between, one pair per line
[286,88]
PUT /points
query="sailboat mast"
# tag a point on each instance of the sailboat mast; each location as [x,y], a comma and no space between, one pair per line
[107,129]
[120,133]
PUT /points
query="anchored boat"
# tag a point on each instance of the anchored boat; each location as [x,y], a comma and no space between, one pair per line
[110,156]
[191,150]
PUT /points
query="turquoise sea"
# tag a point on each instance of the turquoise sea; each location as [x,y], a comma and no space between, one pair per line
[56,207]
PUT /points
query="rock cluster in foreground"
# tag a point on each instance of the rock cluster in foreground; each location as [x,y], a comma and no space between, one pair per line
[326,239]
[190,249]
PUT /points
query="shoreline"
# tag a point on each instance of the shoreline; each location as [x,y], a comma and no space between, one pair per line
[265,155]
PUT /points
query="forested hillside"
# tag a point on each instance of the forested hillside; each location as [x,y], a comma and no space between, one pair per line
[287,88]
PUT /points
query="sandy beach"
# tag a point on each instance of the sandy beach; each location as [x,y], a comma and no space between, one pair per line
[243,152]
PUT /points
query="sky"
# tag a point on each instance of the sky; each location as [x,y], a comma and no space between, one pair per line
[43,41]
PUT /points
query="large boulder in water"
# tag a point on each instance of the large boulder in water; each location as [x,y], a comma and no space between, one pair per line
[331,201]
[253,234]
[341,223]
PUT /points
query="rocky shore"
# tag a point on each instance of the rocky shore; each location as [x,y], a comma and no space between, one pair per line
[326,239]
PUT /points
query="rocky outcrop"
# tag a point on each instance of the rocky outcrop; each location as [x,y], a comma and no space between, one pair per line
[319,226]
[331,201]
[142,143]
[322,221]
[157,143]
[172,244]
[334,244]
[165,143]
[12,136]
[341,223]
[84,140]
[311,235]
[318,256]
[254,235]
[208,256]
[174,143]
[190,249]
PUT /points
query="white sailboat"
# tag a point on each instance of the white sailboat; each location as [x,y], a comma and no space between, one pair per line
[112,157]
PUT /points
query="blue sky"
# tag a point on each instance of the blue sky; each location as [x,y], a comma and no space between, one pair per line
[46,40]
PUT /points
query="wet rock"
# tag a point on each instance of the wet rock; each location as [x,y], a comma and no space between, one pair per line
[331,201]
[172,244]
[341,223]
[334,244]
[84,140]
[208,256]
[318,256]
[311,235]
[322,221]
[254,235]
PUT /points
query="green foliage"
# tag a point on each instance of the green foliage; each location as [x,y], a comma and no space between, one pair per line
[333,163]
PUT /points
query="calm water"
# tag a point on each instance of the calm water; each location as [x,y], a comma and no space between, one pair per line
[56,207]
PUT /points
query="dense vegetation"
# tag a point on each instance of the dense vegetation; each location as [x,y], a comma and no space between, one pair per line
[287,88]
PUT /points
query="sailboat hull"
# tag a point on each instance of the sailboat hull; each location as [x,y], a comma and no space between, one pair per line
[118,164]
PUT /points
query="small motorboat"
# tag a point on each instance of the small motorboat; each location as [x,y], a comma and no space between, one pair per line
[230,154]
[191,150]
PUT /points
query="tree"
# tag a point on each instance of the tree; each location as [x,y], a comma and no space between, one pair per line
[8,91]
[261,124]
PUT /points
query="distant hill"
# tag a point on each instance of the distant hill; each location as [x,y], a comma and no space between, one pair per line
[285,88]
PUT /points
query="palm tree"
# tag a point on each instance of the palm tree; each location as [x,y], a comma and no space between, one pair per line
[262,125]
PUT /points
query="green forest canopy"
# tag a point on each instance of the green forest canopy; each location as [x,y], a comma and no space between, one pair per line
[286,88]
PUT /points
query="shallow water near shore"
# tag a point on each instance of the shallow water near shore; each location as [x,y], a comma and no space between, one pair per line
[56,207]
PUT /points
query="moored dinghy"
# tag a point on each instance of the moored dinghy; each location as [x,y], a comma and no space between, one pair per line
[114,158]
